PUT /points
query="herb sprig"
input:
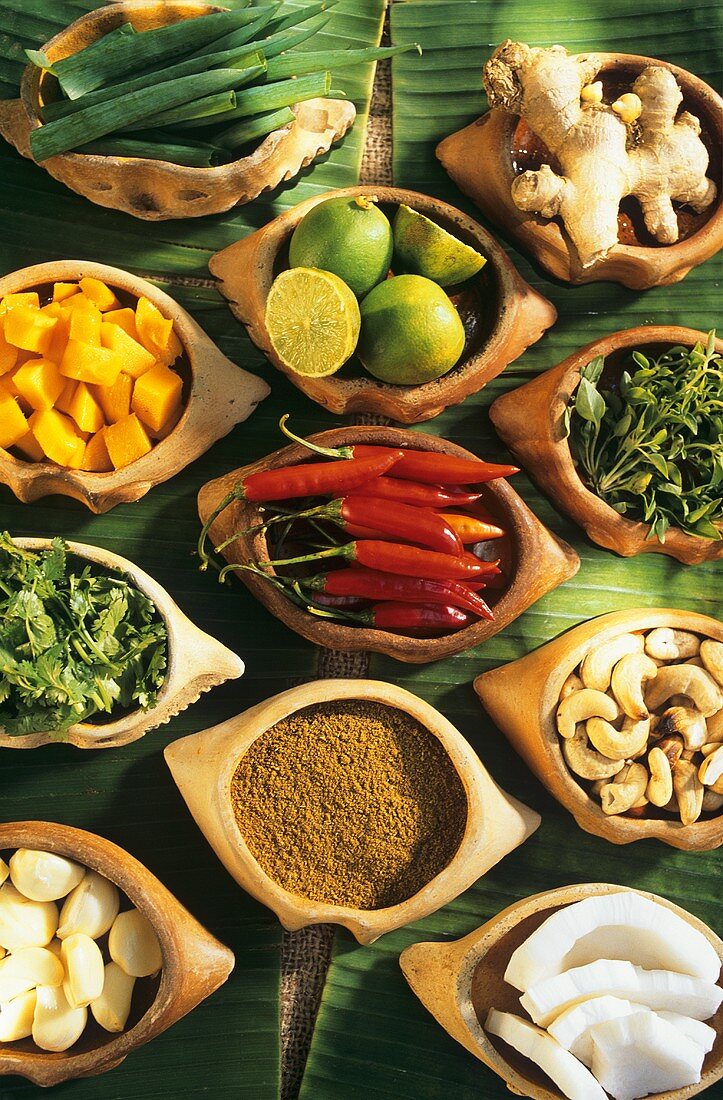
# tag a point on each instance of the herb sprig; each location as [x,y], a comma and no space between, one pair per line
[74,641]
[652,447]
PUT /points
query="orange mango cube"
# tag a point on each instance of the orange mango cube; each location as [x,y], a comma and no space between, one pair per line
[135,358]
[156,396]
[57,436]
[96,458]
[26,327]
[63,291]
[30,448]
[13,425]
[126,440]
[85,410]
[59,339]
[86,363]
[85,322]
[8,354]
[126,318]
[40,382]
[63,402]
[115,400]
[155,331]
[99,293]
[26,298]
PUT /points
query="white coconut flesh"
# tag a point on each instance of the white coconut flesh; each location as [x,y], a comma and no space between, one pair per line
[569,1075]
[640,1054]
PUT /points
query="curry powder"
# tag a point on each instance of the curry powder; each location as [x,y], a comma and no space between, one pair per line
[350,803]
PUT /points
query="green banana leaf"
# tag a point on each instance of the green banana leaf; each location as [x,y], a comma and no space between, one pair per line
[230,1045]
[372,1038]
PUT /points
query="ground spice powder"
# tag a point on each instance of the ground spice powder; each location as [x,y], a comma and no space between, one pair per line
[350,802]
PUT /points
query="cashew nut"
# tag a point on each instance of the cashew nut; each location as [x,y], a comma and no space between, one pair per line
[695,683]
[712,802]
[628,678]
[621,744]
[715,727]
[688,791]
[585,762]
[592,94]
[685,722]
[583,705]
[710,747]
[572,684]
[671,645]
[711,770]
[712,656]
[660,786]
[598,665]
[621,795]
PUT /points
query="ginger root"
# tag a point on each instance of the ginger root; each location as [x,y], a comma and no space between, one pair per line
[654,156]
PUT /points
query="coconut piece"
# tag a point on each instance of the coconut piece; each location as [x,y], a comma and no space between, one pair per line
[570,1076]
[640,1054]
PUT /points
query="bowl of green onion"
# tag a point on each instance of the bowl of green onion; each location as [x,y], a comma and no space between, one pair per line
[181,109]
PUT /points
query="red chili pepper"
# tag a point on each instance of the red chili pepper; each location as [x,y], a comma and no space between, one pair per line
[417,619]
[340,603]
[418,494]
[393,557]
[371,585]
[471,529]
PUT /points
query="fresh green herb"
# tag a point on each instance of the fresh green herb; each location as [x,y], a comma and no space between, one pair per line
[74,641]
[651,445]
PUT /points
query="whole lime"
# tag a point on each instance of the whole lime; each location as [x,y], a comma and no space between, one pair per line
[410,331]
[350,237]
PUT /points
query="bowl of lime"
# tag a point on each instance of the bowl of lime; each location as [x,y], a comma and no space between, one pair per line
[381,300]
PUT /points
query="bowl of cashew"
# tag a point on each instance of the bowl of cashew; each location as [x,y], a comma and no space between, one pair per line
[621,718]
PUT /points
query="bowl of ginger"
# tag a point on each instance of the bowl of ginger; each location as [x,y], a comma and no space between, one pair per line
[351,802]
[107,386]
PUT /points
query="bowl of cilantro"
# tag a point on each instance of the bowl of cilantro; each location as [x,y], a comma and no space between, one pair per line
[625,437]
[95,652]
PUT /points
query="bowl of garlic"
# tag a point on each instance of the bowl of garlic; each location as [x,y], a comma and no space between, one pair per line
[96,956]
[622,719]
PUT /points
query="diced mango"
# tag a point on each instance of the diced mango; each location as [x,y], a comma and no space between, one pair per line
[57,436]
[99,293]
[126,318]
[40,382]
[26,298]
[126,440]
[52,309]
[85,322]
[30,448]
[168,425]
[13,425]
[135,358]
[96,456]
[155,331]
[85,410]
[115,400]
[61,291]
[156,396]
[8,381]
[26,327]
[63,402]
[8,354]
[59,339]
[89,364]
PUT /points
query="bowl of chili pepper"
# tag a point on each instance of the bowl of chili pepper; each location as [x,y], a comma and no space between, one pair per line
[376,538]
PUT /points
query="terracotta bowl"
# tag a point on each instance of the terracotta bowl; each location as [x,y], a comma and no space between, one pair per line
[498,142]
[203,765]
[535,559]
[196,663]
[502,314]
[195,964]
[218,395]
[530,421]
[460,982]
[157,190]
[522,698]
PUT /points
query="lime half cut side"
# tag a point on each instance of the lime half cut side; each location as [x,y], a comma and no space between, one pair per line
[421,247]
[313,320]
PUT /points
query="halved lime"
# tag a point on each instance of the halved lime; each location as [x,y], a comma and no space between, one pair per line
[313,321]
[421,247]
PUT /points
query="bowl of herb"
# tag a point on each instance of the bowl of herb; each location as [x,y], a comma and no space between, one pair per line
[181,109]
[95,652]
[625,436]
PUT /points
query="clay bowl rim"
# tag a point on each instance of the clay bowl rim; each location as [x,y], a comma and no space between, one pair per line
[31,81]
[618,829]
[89,735]
[294,910]
[699,95]
[638,337]
[96,853]
[438,393]
[16,281]
[469,952]
[524,531]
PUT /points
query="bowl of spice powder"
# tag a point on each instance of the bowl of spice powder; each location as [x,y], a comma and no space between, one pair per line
[347,801]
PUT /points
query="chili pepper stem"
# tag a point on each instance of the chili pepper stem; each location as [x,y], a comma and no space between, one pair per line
[326,452]
[235,494]
[334,552]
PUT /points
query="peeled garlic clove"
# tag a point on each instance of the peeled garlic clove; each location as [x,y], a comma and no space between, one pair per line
[4,871]
[134,945]
[25,923]
[112,1008]
[27,968]
[56,1025]
[84,970]
[43,876]
[16,1017]
[91,908]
